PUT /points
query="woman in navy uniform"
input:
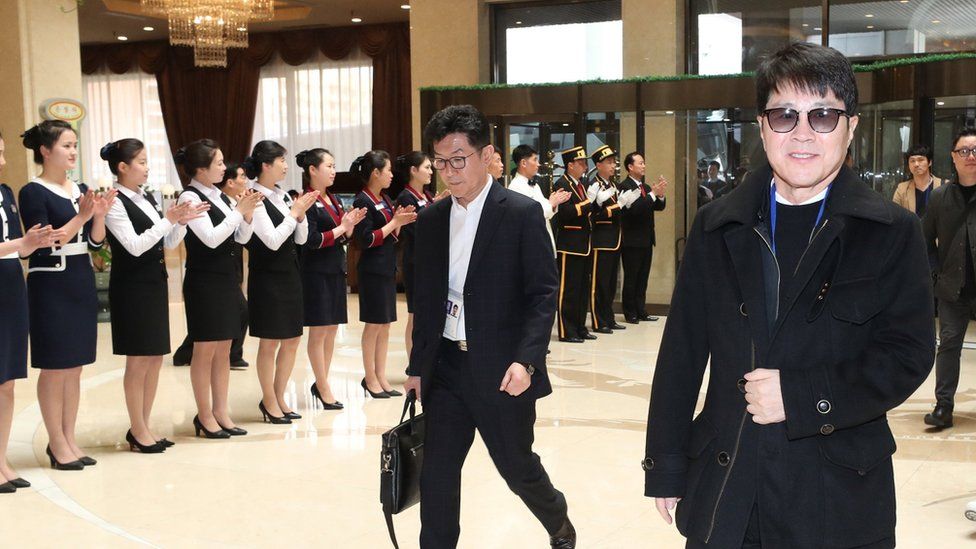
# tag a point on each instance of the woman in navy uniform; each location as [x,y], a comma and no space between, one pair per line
[376,236]
[138,294]
[13,303]
[416,171]
[211,288]
[324,267]
[61,284]
[274,284]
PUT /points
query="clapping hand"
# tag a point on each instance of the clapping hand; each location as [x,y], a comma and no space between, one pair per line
[302,204]
[604,194]
[558,196]
[247,201]
[103,202]
[404,215]
[86,206]
[592,191]
[351,219]
[443,194]
[660,187]
[39,237]
[185,212]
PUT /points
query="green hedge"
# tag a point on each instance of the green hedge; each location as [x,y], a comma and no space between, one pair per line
[868,67]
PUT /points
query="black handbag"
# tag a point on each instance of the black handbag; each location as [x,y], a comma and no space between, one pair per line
[401,458]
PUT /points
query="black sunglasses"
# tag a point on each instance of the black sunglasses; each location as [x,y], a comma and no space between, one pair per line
[821,120]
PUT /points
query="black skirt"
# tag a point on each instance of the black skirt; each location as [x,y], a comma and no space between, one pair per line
[213,303]
[377,298]
[13,328]
[408,282]
[274,304]
[325,298]
[140,318]
[63,315]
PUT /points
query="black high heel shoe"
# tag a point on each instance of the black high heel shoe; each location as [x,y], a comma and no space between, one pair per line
[167,443]
[268,418]
[381,394]
[75,465]
[394,393]
[136,446]
[7,488]
[198,427]
[293,415]
[326,405]
[234,431]
[20,483]
[87,461]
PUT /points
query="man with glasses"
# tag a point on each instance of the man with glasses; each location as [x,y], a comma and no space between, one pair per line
[574,248]
[808,296]
[948,227]
[481,365]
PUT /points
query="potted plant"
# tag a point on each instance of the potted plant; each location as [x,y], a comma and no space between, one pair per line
[102,263]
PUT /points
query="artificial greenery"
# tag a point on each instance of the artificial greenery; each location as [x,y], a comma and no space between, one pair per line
[867,67]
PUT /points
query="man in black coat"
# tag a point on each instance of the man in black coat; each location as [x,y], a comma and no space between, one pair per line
[809,295]
[947,225]
[638,202]
[574,226]
[481,330]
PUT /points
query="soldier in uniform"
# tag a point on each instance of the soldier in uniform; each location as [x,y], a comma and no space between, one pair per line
[605,241]
[573,247]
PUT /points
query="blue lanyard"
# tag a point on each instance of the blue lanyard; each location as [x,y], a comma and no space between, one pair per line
[772,214]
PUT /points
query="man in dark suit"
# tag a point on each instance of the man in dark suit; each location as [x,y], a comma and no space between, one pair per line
[574,225]
[606,241]
[482,367]
[638,202]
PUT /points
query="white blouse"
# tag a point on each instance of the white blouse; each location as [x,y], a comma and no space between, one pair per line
[121,226]
[211,235]
[273,237]
[520,184]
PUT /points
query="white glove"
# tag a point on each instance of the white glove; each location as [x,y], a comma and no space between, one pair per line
[604,194]
[627,198]
[592,191]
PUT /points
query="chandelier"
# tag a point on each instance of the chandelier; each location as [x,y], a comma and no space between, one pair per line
[209,26]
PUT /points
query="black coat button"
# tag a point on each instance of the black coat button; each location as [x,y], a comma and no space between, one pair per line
[826,429]
[823,406]
[647,464]
[741,384]
[724,459]
[742,309]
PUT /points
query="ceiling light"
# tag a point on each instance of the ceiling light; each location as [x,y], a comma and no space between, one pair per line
[357,19]
[122,38]
[817,28]
[936,21]
[148,29]
[806,25]
[940,103]
[868,15]
[404,6]
[870,26]
[668,112]
[518,22]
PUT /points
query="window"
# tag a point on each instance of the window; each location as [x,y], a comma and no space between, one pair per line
[122,106]
[321,103]
[880,29]
[558,42]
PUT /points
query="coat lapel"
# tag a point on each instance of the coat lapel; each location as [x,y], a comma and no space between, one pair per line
[491,215]
[744,249]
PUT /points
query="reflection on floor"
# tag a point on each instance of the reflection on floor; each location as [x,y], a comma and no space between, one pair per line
[315,483]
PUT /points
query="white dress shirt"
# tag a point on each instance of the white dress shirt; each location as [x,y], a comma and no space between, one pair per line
[464,227]
[520,184]
[122,229]
[273,237]
[204,229]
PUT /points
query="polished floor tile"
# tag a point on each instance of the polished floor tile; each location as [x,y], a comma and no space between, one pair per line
[315,483]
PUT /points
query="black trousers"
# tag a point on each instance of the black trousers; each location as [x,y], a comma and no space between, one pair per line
[953,321]
[603,287]
[637,269]
[574,293]
[183,354]
[455,407]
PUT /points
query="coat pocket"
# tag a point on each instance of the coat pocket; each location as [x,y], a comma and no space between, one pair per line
[855,301]
[703,435]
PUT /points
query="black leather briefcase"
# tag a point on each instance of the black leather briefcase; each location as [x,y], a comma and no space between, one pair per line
[401,458]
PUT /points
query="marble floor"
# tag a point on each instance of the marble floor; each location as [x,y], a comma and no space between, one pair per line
[315,482]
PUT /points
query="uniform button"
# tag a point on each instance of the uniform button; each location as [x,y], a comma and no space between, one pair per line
[724,459]
[823,406]
[826,429]
[161,261]
[742,309]
[647,464]
[741,384]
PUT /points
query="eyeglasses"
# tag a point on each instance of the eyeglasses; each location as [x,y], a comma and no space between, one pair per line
[963,153]
[822,120]
[456,162]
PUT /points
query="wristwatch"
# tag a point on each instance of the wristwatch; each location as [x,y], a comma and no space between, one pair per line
[528,367]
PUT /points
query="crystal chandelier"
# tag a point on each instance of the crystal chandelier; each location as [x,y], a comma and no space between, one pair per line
[209,26]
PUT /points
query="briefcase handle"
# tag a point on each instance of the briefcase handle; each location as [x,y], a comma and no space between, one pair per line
[410,405]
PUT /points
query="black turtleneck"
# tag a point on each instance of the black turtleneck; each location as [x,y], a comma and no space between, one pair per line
[794,226]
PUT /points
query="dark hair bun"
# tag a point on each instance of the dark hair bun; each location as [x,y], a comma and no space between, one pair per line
[251,166]
[357,164]
[30,137]
[180,157]
[301,159]
[106,151]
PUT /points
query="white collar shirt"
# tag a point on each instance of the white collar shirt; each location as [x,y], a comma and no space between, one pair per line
[273,237]
[520,184]
[232,225]
[464,228]
[118,223]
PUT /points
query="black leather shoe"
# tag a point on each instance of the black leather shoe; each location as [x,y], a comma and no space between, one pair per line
[293,415]
[233,431]
[136,446]
[268,418]
[603,330]
[616,326]
[20,483]
[87,461]
[647,317]
[565,538]
[940,417]
[75,465]
[325,405]
[7,488]
[588,335]
[239,364]
[198,428]
[631,320]
[167,443]
[571,340]
[393,393]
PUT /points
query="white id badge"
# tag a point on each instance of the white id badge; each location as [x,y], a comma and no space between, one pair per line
[453,306]
[421,203]
[380,207]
